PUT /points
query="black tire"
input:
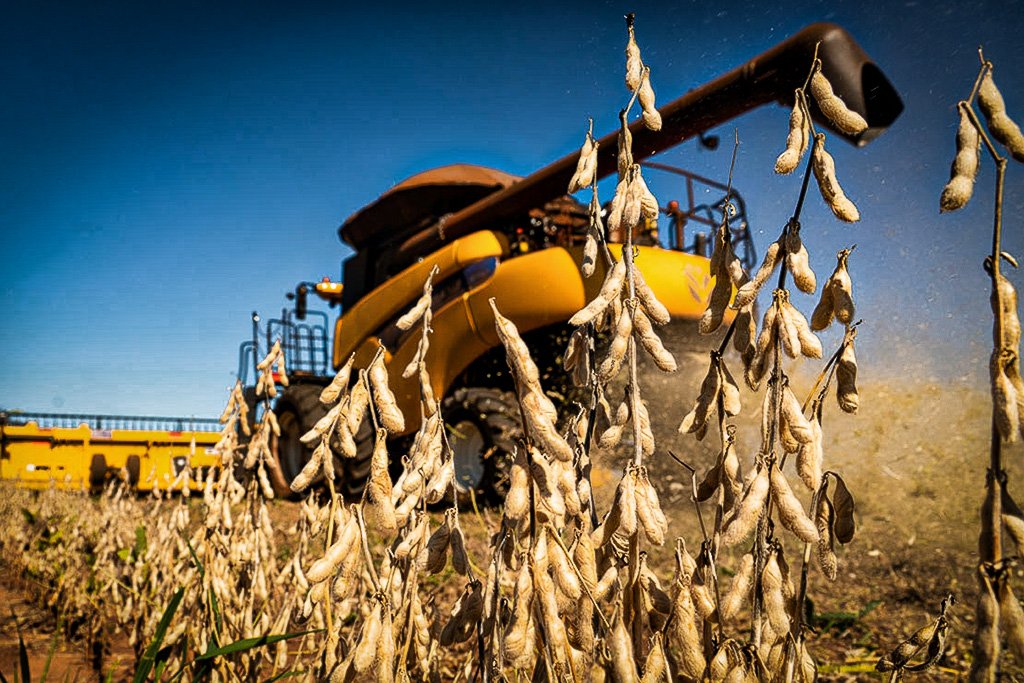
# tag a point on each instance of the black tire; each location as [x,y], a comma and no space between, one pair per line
[97,472]
[298,409]
[134,467]
[484,426]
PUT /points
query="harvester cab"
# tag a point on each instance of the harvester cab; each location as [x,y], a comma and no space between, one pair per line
[519,241]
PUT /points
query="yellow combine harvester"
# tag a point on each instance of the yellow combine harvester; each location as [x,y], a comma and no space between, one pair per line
[519,240]
[38,450]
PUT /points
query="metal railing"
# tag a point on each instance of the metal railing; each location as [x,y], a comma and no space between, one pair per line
[130,422]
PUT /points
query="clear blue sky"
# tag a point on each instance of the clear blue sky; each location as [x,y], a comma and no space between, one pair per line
[168,167]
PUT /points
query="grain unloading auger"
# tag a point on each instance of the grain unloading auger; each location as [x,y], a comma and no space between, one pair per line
[519,240]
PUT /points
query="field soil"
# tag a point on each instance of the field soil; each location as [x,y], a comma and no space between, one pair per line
[914,457]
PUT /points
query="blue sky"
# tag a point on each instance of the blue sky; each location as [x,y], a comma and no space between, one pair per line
[169,167]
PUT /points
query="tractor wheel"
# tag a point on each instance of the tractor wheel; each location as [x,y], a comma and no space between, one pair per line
[97,472]
[298,409]
[483,425]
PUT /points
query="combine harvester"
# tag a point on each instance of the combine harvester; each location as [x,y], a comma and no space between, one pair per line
[39,450]
[520,241]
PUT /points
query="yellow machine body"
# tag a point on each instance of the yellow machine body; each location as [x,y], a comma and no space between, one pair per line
[533,289]
[38,457]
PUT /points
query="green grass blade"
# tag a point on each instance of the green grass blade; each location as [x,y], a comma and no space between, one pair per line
[149,656]
[26,674]
[248,644]
[50,653]
[214,606]
[284,674]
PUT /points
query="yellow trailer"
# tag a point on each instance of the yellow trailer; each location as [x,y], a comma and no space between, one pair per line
[38,450]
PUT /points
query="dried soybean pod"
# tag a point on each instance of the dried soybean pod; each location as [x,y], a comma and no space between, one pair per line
[417,311]
[984,664]
[358,402]
[648,510]
[1011,618]
[798,138]
[788,331]
[632,208]
[845,524]
[793,417]
[311,469]
[964,169]
[730,392]
[825,173]
[516,350]
[810,345]
[542,427]
[706,401]
[620,344]
[845,119]
[846,379]
[377,503]
[595,234]
[620,648]
[565,578]
[625,503]
[1004,302]
[460,560]
[748,292]
[774,600]
[1004,396]
[366,650]
[652,343]
[798,261]
[651,117]
[709,484]
[791,512]
[649,208]
[824,312]
[744,334]
[740,588]
[624,159]
[714,314]
[603,588]
[1002,127]
[611,289]
[517,502]
[837,295]
[387,408]
[1013,517]
[842,288]
[339,384]
[434,555]
[654,667]
[824,519]
[634,64]
[587,163]
[745,515]
[651,305]
[809,456]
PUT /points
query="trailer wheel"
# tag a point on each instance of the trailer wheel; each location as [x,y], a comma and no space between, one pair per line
[97,472]
[483,427]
